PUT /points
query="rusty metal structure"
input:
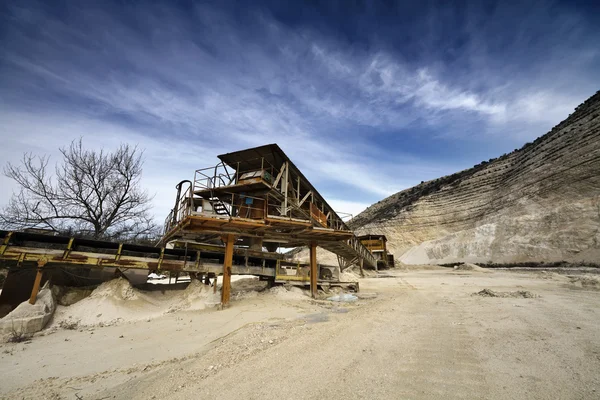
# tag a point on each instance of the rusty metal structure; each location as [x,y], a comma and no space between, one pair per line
[261,197]
[221,224]
[257,198]
[377,245]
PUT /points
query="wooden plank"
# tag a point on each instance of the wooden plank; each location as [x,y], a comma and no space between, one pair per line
[318,215]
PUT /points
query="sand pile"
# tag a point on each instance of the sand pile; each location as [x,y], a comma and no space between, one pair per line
[349,276]
[518,294]
[247,288]
[248,284]
[196,296]
[289,293]
[117,301]
[70,295]
[469,267]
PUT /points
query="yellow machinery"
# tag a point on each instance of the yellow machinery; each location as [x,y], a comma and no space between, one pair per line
[377,245]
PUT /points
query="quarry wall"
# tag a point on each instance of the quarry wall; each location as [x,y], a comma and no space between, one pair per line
[538,203]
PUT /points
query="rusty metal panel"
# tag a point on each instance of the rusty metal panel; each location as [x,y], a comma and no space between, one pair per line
[317,215]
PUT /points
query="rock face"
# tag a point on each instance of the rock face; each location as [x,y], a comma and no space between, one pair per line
[539,203]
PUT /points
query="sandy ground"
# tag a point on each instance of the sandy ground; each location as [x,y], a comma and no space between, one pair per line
[424,335]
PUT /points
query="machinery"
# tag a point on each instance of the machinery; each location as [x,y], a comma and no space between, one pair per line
[377,245]
[230,219]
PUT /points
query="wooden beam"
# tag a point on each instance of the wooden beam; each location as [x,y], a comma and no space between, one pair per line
[37,282]
[313,269]
[226,288]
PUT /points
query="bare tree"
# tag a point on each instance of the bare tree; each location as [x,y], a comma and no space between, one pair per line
[91,193]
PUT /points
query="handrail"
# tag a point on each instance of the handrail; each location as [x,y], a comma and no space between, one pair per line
[183,207]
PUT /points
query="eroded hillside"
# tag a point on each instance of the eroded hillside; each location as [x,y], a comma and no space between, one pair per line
[539,203]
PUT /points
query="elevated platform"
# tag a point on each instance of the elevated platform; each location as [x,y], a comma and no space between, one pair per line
[259,193]
[288,231]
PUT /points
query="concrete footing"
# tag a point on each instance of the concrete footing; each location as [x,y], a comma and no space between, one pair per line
[30,318]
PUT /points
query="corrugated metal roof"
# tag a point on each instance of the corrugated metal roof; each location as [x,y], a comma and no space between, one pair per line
[250,159]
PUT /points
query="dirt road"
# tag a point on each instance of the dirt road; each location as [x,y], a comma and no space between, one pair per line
[423,336]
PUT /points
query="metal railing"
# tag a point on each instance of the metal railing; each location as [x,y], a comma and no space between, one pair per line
[222,175]
[213,177]
[362,251]
[232,205]
[183,207]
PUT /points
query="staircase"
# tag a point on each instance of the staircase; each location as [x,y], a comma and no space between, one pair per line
[218,206]
[351,249]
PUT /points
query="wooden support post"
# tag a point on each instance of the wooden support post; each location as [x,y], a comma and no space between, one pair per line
[313,269]
[197,265]
[37,282]
[362,273]
[226,288]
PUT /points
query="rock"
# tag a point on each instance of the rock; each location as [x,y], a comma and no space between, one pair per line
[30,318]
[518,294]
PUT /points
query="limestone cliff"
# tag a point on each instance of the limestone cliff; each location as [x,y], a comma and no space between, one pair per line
[538,203]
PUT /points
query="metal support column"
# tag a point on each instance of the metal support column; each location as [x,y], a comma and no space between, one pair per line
[226,288]
[313,269]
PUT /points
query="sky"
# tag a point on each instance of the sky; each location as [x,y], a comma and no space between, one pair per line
[366,98]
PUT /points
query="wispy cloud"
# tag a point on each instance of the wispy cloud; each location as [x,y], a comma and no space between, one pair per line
[190,84]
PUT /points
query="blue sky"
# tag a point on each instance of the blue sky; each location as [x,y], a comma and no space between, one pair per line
[366,99]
